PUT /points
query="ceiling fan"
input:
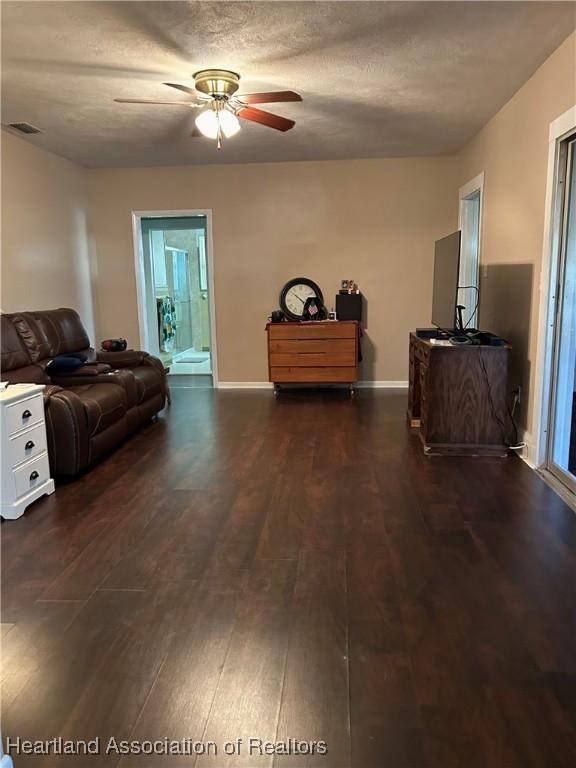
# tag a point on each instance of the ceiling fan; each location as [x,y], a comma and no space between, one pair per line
[215,93]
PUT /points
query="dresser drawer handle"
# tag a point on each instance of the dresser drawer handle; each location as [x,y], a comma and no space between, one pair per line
[29,445]
[26,414]
[34,476]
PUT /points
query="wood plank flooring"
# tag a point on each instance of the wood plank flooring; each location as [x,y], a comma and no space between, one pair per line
[246,567]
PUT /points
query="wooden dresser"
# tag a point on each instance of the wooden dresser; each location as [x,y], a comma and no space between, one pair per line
[318,352]
[458,397]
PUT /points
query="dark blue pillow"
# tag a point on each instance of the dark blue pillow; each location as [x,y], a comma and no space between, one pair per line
[66,363]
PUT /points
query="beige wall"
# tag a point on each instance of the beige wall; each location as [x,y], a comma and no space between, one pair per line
[44,247]
[512,150]
[374,221]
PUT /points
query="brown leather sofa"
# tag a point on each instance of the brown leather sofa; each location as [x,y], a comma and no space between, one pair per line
[88,411]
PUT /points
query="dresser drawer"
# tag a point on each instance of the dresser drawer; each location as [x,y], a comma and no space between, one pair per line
[311,375]
[32,474]
[313,352]
[26,445]
[313,330]
[24,413]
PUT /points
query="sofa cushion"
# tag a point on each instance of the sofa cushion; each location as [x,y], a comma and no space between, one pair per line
[29,374]
[14,353]
[58,331]
[103,405]
[32,335]
[149,382]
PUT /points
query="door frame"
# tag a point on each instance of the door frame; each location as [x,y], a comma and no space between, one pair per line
[137,217]
[474,185]
[464,193]
[560,128]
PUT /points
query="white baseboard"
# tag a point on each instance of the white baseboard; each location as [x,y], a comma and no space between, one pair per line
[268,385]
[382,385]
[244,385]
[528,453]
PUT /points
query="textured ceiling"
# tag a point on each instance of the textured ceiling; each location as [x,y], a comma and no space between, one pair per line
[379,79]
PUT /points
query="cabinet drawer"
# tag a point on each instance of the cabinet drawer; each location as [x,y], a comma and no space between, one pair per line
[24,414]
[26,445]
[313,352]
[287,374]
[330,330]
[31,475]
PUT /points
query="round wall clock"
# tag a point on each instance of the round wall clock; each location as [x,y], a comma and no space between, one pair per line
[294,294]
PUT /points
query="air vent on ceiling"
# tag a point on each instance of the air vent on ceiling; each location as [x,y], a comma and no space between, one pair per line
[24,128]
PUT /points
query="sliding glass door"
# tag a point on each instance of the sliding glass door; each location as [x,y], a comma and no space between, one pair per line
[562,436]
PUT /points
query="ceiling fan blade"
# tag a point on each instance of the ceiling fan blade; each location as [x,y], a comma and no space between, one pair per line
[185,88]
[269,98]
[146,101]
[266,118]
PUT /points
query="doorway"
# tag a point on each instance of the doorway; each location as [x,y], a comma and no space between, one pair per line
[469,223]
[175,292]
[561,447]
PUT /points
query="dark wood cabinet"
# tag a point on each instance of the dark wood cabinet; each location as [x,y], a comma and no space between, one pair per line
[458,397]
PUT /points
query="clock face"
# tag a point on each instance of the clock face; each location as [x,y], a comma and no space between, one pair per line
[296,298]
[294,294]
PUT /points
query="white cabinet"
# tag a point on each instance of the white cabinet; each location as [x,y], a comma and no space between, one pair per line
[25,468]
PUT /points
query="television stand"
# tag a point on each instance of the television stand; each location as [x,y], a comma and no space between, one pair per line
[458,397]
[433,333]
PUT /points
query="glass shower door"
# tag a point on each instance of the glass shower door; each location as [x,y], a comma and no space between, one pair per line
[181,290]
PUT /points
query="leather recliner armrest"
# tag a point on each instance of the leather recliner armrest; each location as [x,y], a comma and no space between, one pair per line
[86,374]
[129,359]
[75,380]
[154,362]
[49,390]
[122,378]
[135,359]
[67,431]
[132,359]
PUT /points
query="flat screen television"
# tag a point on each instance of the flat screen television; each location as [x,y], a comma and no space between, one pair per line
[446,274]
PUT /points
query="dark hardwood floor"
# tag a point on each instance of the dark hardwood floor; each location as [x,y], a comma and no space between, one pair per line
[247,567]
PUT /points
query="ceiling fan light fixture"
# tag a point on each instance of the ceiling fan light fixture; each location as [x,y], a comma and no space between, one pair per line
[212,122]
[214,92]
[207,123]
[229,123]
